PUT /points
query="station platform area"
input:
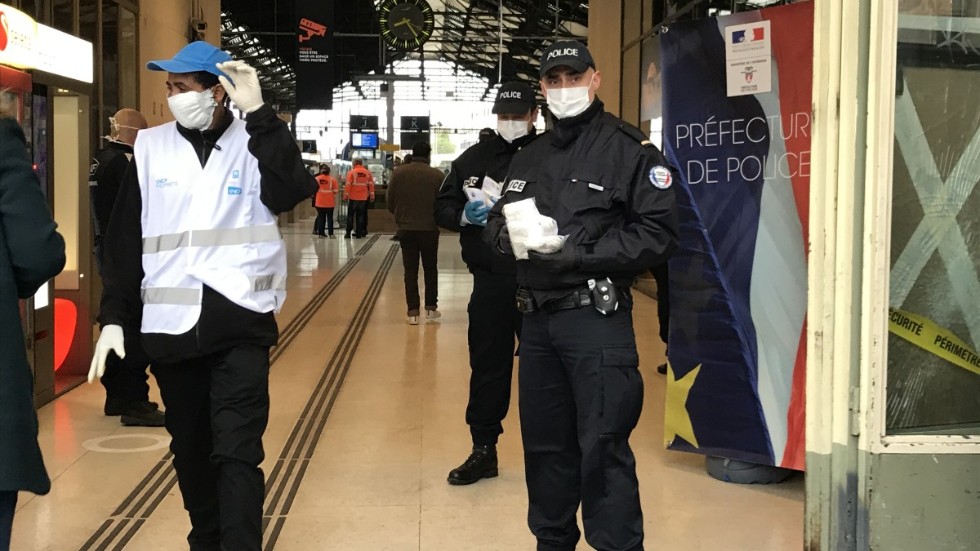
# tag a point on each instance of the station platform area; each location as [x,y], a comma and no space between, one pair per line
[366,422]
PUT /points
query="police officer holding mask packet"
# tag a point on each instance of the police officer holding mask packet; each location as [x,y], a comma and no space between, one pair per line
[610,192]
[462,205]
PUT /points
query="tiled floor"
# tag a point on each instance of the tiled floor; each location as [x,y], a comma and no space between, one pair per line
[376,480]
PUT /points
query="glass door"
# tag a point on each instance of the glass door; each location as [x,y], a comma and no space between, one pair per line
[933,380]
[68,166]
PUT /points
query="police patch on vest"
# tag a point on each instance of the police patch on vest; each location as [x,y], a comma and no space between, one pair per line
[660,177]
[515,185]
[471,181]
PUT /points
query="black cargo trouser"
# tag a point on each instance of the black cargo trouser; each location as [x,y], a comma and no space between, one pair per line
[217,410]
[493,323]
[126,379]
[324,221]
[424,246]
[580,398]
[357,218]
[8,504]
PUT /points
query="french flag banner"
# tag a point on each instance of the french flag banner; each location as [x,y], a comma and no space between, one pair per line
[738,282]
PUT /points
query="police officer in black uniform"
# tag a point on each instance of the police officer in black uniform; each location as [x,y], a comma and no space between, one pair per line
[125,380]
[493,316]
[580,388]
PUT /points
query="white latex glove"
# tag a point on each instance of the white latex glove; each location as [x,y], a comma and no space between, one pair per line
[111,339]
[246,92]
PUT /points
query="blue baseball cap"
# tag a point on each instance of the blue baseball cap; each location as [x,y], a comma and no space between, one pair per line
[196,56]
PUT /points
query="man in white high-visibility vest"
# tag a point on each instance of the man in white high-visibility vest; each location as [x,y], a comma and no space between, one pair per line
[195,258]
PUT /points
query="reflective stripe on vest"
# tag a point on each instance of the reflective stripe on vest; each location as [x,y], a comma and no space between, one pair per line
[171,295]
[204,227]
[210,238]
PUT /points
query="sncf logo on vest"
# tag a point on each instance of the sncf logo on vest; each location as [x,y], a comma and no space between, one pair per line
[165,183]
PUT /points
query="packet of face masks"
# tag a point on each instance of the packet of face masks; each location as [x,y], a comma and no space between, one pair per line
[492,189]
[530,230]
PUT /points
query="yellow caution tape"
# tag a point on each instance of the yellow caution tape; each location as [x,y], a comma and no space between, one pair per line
[932,338]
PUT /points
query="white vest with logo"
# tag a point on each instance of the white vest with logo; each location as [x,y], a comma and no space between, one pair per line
[204,226]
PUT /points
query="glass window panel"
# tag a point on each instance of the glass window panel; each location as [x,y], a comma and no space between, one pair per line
[933,384]
[88,20]
[128,59]
[63,15]
[110,59]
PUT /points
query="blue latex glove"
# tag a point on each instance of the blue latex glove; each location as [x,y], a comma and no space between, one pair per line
[475,212]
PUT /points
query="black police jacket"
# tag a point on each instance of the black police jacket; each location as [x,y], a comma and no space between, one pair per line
[488,158]
[607,188]
[105,176]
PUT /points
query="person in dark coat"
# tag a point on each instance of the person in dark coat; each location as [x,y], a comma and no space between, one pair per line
[411,198]
[31,252]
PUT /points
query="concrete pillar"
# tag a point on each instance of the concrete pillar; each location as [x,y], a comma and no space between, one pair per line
[605,44]
[629,106]
[163,29]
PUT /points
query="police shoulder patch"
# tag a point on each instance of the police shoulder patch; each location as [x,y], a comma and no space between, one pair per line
[515,186]
[661,177]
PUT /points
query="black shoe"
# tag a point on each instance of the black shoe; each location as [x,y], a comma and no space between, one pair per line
[662,369]
[116,406]
[143,414]
[482,463]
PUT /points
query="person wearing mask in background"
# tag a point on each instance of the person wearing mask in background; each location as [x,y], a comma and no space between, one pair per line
[359,189]
[193,251]
[324,202]
[411,198]
[125,380]
[31,253]
[493,317]
[486,134]
[609,190]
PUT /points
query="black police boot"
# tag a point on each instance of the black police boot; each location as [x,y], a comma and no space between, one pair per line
[142,414]
[482,463]
[116,406]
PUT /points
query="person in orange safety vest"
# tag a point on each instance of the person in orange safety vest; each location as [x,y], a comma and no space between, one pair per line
[324,201]
[357,192]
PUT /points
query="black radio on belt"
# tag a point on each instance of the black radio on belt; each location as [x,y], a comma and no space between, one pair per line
[604,295]
[525,302]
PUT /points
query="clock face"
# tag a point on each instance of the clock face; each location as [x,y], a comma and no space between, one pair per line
[406,24]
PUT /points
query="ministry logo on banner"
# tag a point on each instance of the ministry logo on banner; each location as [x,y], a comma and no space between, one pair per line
[748,58]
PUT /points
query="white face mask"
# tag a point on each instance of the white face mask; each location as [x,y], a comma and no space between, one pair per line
[512,130]
[568,102]
[116,126]
[193,110]
[114,130]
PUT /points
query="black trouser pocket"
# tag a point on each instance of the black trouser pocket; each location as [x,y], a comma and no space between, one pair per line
[622,389]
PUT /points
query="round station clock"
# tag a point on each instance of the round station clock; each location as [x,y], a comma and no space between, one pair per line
[406,24]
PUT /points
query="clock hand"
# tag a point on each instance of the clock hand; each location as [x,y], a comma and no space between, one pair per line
[405,21]
[411,27]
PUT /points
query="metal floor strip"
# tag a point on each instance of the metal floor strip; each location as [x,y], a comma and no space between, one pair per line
[162,477]
[298,452]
